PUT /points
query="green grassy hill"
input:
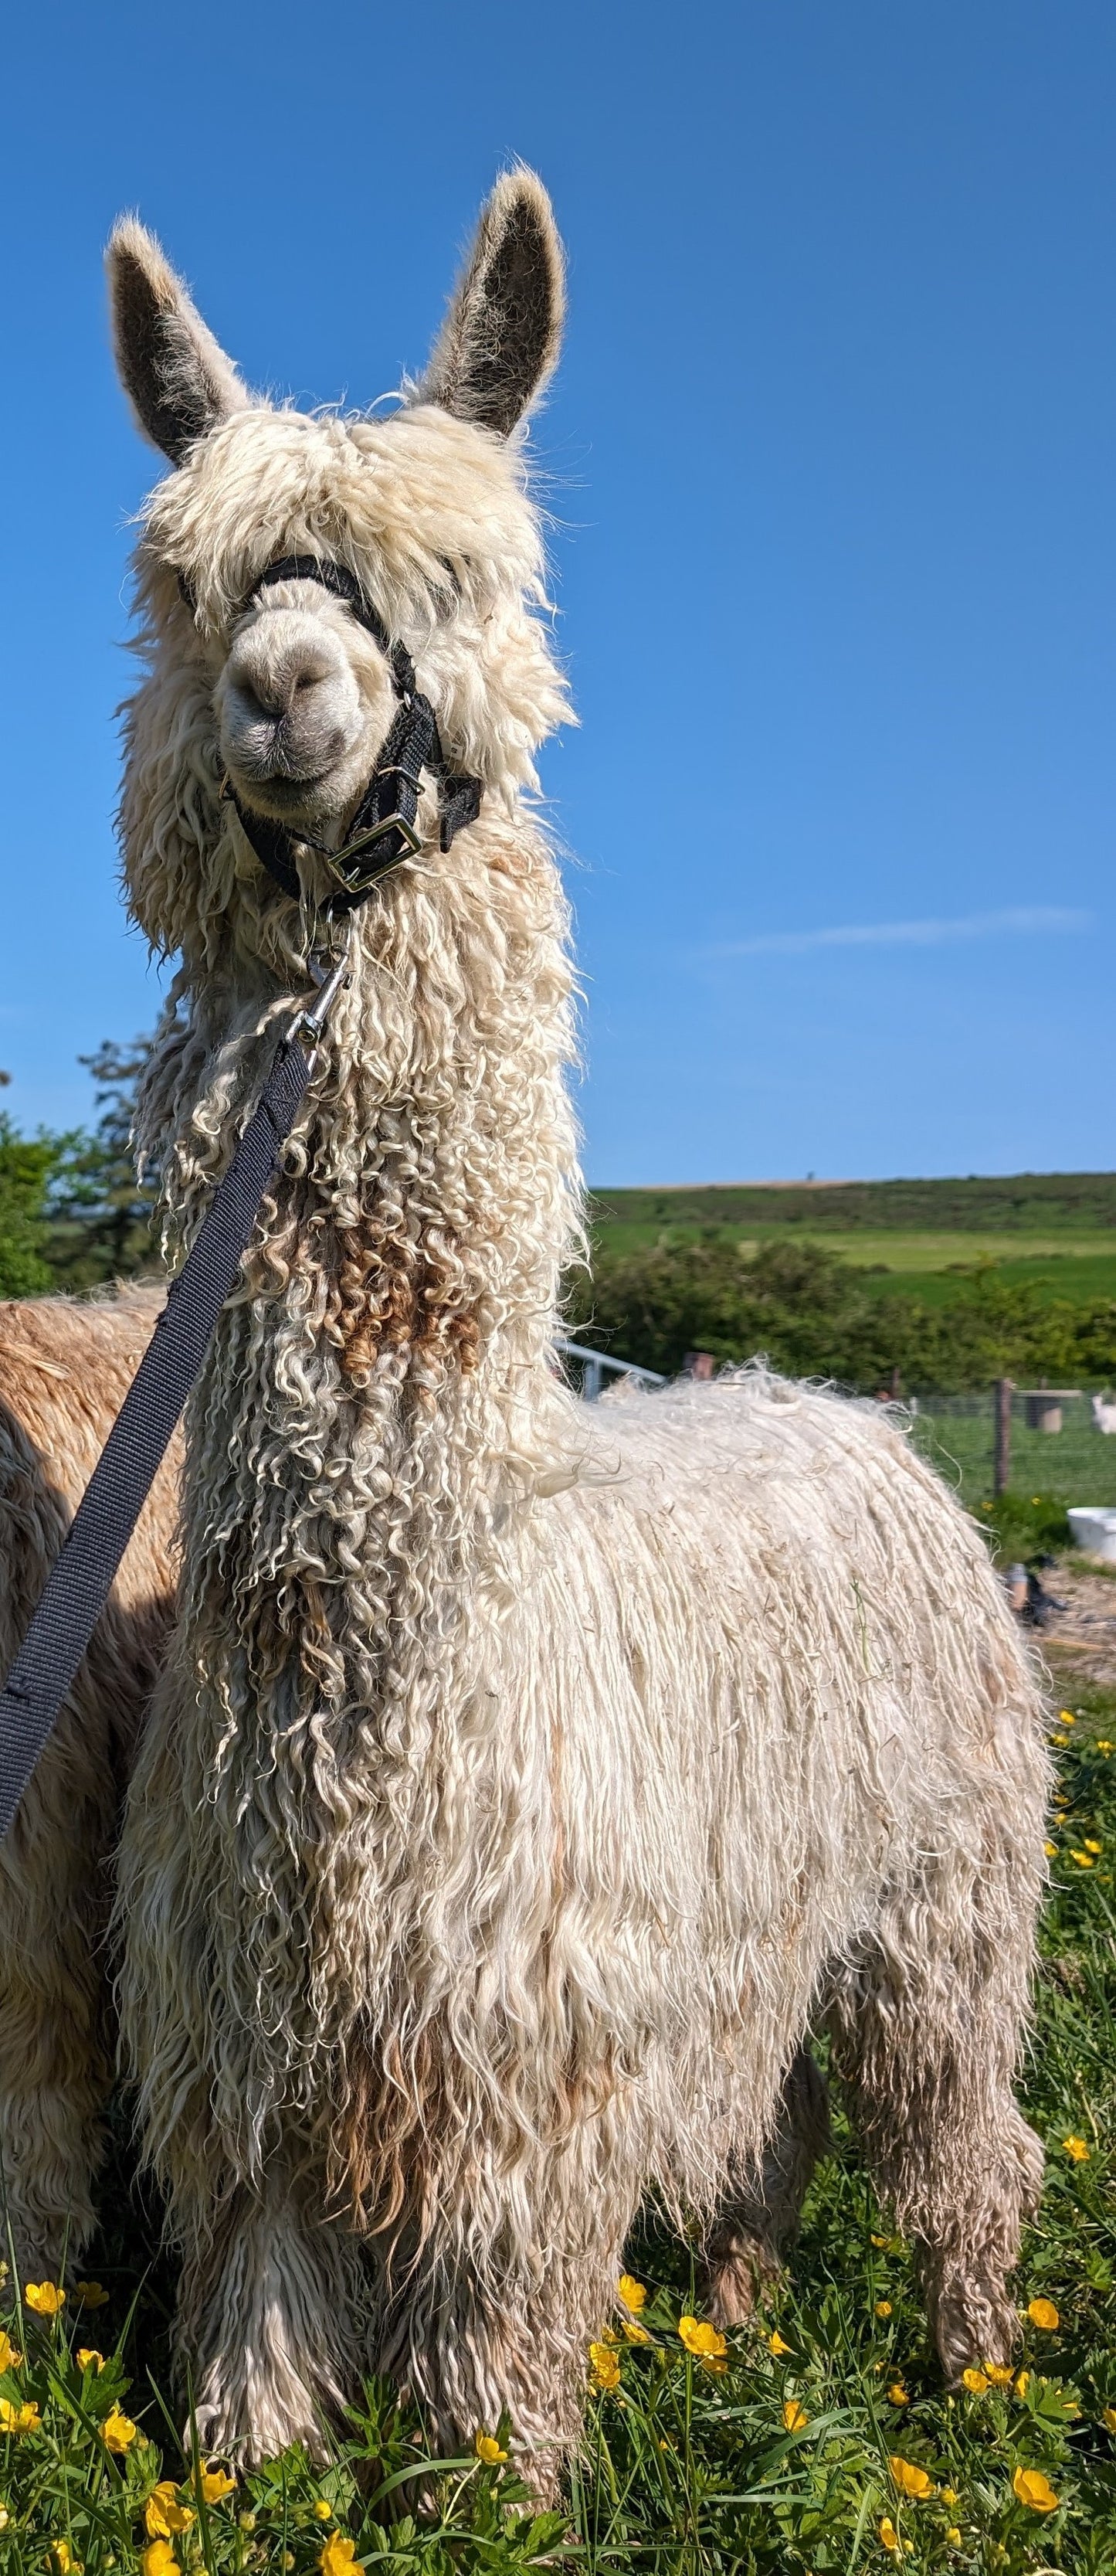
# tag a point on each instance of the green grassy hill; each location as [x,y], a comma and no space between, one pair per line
[1055,1229]
[1014,1203]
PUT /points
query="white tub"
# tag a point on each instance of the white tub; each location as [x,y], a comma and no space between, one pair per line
[1094,1529]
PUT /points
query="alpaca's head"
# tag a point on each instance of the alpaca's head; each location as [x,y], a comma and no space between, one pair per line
[283,687]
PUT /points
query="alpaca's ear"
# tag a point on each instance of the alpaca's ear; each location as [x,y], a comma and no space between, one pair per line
[179,382]
[500,337]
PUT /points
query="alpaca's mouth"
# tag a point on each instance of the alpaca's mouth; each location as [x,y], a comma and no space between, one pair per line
[280,795]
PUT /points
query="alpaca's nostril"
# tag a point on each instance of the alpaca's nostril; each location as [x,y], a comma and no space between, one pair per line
[290,708]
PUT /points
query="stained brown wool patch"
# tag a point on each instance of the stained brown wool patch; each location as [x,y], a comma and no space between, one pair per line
[395,1296]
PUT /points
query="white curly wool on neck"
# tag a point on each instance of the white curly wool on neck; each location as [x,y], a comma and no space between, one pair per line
[378,1394]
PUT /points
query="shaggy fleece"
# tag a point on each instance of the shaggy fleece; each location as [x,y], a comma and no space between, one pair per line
[525,1778]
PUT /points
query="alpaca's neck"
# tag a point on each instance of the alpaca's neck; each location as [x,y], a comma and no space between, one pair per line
[391,1349]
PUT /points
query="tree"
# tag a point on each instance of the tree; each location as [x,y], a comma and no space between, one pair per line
[27,1165]
[100,1215]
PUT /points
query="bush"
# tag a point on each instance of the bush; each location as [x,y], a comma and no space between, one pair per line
[811,1313]
[27,1166]
[1023,1526]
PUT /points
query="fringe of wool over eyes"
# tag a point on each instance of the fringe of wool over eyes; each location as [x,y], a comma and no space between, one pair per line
[525,1777]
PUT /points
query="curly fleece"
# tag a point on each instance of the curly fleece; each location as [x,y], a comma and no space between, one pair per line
[526,1777]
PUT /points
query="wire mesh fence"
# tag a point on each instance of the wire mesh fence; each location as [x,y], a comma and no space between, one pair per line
[1071,1458]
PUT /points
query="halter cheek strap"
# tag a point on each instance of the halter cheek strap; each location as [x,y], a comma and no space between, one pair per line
[382,832]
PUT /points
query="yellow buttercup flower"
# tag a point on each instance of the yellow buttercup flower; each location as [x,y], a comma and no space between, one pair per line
[216,2485]
[888,2534]
[87,2359]
[909,2478]
[118,2431]
[1043,2313]
[1066,1717]
[5,2517]
[974,2381]
[159,2559]
[1084,1859]
[1093,1847]
[634,2333]
[704,2342]
[19,2419]
[776,2344]
[898,2394]
[337,2555]
[1109,2418]
[1078,2149]
[631,2292]
[953,2536]
[64,2558]
[883,2307]
[10,2359]
[1051,1850]
[44,2299]
[488,2450]
[1103,1744]
[1023,2383]
[323,2511]
[795,2416]
[604,2365]
[165,2514]
[91,2294]
[1000,2378]
[1034,2490]
[949,2495]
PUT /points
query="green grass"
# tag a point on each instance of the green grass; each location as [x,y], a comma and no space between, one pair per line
[682,2470]
[1075,1463]
[1035,1203]
[932,1267]
[1081,1278]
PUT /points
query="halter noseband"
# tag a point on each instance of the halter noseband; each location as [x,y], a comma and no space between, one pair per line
[383,828]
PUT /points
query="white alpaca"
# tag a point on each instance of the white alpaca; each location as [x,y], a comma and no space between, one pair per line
[527,1777]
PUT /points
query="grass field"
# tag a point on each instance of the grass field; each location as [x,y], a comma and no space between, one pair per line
[1050,1204]
[932,1267]
[1076,1462]
[825,2443]
[918,1238]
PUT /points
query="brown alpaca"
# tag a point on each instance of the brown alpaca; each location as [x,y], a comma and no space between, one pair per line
[64,1371]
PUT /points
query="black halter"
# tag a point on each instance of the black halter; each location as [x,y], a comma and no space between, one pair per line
[382,831]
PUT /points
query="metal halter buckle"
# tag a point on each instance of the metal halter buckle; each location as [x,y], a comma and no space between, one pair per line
[337,860]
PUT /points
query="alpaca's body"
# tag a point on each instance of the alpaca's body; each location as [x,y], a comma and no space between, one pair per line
[65,1369]
[701,1766]
[524,1775]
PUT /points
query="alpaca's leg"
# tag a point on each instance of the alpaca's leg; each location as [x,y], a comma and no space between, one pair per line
[54,2062]
[927,2033]
[55,2020]
[754,2230]
[505,2328]
[266,2331]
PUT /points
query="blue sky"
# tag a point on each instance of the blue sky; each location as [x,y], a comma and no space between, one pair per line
[831,465]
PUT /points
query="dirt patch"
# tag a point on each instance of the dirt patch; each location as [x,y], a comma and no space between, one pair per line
[1081,1639]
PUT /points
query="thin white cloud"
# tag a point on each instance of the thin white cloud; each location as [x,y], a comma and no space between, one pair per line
[1039,921]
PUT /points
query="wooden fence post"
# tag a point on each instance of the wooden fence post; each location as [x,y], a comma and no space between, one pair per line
[1001,1454]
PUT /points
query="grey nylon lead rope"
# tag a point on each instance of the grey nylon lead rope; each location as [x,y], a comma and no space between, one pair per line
[83,1575]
